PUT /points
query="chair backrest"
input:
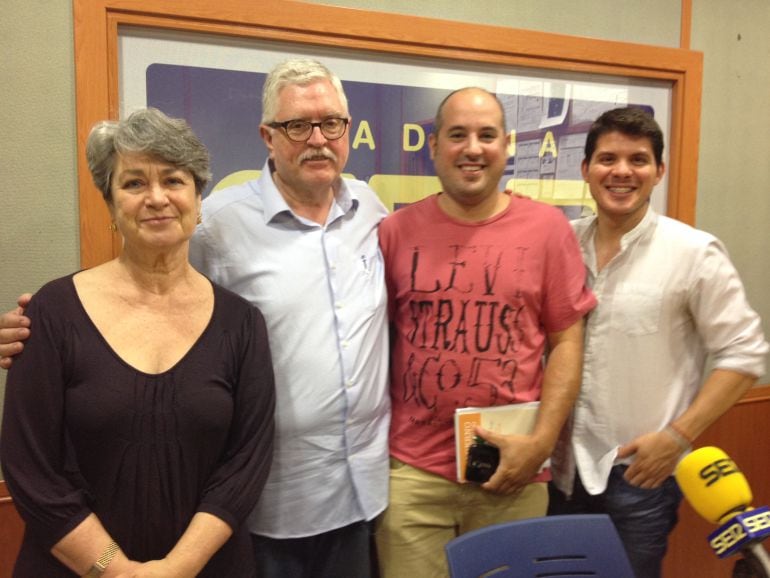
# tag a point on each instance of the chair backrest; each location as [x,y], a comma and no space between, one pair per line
[553,546]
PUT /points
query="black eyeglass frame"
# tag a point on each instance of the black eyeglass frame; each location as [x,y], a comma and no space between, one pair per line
[285,127]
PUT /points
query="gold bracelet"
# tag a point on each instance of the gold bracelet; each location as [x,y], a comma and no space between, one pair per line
[104,560]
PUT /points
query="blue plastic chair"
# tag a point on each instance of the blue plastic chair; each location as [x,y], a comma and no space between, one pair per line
[553,546]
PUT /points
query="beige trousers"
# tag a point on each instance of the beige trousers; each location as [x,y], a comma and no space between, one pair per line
[426,511]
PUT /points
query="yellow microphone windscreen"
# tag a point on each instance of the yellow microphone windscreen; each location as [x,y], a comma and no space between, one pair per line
[713,484]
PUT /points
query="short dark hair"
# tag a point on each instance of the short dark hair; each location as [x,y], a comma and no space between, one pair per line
[630,121]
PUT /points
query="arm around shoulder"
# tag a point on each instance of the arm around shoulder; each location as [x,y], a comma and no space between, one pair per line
[14,329]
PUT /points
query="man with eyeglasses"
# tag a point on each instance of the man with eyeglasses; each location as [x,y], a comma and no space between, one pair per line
[301,243]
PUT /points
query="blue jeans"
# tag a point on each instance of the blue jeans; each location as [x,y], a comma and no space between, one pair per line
[643,518]
[342,553]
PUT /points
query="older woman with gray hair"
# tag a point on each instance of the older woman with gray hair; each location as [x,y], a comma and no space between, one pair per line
[138,421]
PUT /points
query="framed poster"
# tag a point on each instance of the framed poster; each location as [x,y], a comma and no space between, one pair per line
[199,62]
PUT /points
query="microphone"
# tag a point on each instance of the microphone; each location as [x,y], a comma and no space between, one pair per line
[720,493]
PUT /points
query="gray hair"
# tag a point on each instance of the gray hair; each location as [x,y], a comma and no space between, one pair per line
[146,132]
[296,71]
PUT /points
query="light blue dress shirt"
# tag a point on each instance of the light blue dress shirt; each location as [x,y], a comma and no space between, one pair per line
[321,290]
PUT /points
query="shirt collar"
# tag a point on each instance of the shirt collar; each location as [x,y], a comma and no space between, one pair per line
[642,228]
[345,200]
[586,236]
[646,224]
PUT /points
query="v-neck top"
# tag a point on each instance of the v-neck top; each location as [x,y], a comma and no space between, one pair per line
[83,431]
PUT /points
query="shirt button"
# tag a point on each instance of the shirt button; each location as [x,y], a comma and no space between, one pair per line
[338,305]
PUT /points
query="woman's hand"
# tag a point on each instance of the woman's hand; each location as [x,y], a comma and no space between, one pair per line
[154,569]
[121,567]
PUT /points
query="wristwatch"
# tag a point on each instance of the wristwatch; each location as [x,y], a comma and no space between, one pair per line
[104,560]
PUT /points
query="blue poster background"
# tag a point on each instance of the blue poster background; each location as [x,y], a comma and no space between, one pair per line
[388,135]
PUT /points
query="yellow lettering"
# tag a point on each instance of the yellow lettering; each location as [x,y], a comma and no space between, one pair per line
[757,522]
[549,145]
[727,539]
[363,136]
[418,131]
[717,544]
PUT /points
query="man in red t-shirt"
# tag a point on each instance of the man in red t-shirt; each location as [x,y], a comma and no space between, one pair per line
[482,285]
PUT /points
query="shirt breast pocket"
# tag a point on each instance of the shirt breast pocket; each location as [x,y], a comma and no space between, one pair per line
[372,271]
[636,309]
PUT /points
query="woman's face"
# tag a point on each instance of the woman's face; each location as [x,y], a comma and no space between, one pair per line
[154,204]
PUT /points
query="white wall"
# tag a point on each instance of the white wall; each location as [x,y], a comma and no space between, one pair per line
[38,188]
[734,166]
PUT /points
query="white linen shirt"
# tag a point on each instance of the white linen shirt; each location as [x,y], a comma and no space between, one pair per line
[668,300]
[322,292]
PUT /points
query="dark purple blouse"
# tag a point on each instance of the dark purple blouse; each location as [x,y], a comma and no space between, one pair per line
[85,432]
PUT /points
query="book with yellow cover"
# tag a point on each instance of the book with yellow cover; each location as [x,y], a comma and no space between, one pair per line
[517,418]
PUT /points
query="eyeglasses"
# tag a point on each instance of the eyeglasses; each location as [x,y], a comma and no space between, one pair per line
[299,130]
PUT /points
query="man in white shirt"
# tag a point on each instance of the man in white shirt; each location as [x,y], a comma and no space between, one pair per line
[301,243]
[669,298]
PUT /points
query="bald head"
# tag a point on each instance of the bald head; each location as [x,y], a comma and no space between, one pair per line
[439,120]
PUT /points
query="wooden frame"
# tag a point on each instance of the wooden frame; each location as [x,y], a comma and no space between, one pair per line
[96,58]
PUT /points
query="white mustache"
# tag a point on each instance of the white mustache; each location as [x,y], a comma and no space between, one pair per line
[315,154]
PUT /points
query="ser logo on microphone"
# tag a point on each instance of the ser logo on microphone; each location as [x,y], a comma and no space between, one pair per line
[757,522]
[726,539]
[747,527]
[721,468]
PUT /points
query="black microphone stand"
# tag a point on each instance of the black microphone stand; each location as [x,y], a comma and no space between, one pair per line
[755,563]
